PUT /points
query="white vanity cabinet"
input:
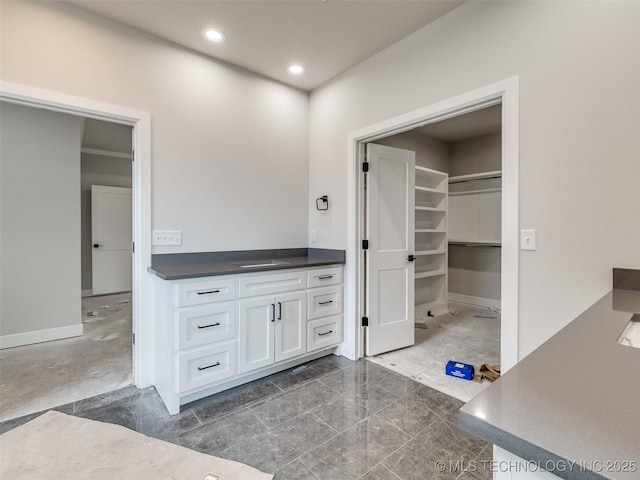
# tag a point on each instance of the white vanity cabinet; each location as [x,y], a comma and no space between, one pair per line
[271,329]
[216,333]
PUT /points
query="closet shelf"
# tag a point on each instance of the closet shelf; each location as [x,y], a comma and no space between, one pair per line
[430,252]
[476,176]
[434,273]
[430,190]
[431,209]
[105,153]
[468,192]
[475,243]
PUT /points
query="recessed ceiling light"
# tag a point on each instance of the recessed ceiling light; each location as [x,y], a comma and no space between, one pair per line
[214,35]
[295,69]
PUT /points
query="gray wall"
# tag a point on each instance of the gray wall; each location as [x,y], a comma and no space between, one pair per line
[475,271]
[579,72]
[229,147]
[474,155]
[40,208]
[97,170]
[430,153]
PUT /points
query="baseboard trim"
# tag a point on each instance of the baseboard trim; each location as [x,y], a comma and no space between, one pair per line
[39,336]
[471,300]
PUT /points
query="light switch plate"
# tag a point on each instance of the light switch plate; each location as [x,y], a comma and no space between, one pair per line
[167,237]
[527,239]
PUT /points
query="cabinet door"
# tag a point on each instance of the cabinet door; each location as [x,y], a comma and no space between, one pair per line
[290,326]
[256,324]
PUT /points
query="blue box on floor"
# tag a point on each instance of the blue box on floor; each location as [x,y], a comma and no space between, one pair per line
[460,370]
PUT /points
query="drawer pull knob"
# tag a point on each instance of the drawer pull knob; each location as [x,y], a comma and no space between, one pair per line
[209,366]
[209,326]
[325,333]
[325,303]
[325,277]
[208,292]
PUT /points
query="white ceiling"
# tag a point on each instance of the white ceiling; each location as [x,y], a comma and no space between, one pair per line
[469,125]
[326,37]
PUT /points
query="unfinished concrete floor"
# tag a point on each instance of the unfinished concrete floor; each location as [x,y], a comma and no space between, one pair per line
[464,335]
[45,375]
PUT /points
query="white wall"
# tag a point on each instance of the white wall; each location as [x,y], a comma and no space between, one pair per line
[229,147]
[40,210]
[579,73]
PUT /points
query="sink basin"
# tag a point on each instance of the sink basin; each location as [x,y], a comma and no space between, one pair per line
[631,334]
[265,264]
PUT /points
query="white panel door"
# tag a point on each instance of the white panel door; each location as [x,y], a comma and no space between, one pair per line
[291,325]
[111,238]
[390,231]
[256,320]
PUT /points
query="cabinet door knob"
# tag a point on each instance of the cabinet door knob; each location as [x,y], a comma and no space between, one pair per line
[411,258]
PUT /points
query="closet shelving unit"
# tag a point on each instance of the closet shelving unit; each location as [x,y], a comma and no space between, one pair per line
[475,224]
[431,196]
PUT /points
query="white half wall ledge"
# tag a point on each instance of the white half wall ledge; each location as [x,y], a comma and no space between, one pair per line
[40,336]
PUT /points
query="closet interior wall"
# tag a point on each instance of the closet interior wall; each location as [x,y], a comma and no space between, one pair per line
[475,271]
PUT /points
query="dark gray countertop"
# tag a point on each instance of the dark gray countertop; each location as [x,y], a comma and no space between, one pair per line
[574,399]
[175,266]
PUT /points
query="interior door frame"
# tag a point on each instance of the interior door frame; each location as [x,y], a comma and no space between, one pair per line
[143,348]
[505,92]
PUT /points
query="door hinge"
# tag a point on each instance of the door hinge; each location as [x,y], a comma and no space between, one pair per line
[365,166]
[133,338]
[365,321]
[133,155]
[365,244]
[133,247]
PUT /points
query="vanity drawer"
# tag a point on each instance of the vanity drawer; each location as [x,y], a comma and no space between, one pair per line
[198,293]
[325,301]
[272,283]
[324,332]
[324,276]
[206,324]
[206,366]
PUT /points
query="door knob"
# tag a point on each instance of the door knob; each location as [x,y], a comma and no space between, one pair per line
[411,258]
[96,245]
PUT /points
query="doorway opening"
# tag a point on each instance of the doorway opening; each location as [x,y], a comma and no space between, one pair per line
[448,250]
[141,365]
[432,227]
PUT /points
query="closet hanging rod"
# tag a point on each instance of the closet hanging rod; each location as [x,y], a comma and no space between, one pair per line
[472,244]
[468,192]
[475,176]
[475,179]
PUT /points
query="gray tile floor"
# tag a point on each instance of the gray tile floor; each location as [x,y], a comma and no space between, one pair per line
[333,419]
